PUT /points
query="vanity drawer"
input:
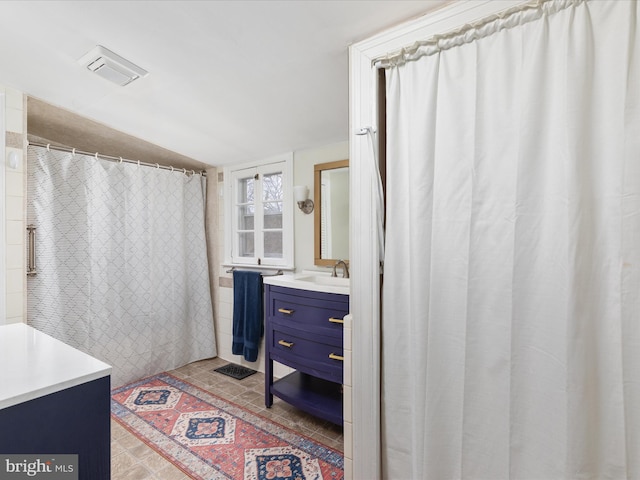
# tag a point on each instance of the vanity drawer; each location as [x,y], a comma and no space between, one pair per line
[320,356]
[323,316]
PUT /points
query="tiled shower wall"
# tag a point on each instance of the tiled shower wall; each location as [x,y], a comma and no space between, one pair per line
[15,192]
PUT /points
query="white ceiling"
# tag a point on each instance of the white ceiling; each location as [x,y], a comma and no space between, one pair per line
[229,81]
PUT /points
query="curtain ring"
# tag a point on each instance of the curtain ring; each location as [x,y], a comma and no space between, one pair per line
[73,152]
[171,168]
[193,172]
[157,166]
[184,170]
[138,162]
[120,160]
[48,144]
[96,155]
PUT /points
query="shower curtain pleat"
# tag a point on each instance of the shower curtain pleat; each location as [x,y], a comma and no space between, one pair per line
[122,265]
[511,294]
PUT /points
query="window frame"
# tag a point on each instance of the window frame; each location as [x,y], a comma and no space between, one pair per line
[232,176]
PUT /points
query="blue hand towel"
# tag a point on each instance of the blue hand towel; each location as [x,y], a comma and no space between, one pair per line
[248,325]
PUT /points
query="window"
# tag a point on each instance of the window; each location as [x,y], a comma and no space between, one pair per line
[259,214]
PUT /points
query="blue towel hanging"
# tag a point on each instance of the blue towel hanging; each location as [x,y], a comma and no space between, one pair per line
[248,323]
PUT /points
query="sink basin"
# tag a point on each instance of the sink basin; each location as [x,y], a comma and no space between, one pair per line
[325,280]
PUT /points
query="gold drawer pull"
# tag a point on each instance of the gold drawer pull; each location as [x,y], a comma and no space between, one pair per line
[333,356]
[336,320]
[285,344]
[285,311]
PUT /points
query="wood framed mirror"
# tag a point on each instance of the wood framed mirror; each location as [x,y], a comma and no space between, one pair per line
[331,213]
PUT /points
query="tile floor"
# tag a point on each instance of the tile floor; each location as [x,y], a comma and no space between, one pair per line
[131,459]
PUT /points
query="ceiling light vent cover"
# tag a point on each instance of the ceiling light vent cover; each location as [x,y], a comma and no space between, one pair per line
[111,66]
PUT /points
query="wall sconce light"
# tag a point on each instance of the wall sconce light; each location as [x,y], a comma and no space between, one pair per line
[301,195]
[13,160]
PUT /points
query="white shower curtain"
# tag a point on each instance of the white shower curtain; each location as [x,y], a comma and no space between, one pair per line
[121,261]
[511,317]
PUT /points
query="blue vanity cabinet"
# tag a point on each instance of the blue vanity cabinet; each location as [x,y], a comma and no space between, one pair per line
[54,400]
[304,332]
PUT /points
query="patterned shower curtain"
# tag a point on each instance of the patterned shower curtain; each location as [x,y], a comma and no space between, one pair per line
[121,262]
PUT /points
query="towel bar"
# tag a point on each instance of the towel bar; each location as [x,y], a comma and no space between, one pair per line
[279,272]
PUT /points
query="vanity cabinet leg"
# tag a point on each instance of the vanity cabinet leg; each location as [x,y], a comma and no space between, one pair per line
[268,381]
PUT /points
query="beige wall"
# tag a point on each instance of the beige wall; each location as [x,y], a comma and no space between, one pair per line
[303,162]
[15,206]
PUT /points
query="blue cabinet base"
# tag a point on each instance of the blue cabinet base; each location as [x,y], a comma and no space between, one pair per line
[72,421]
[319,397]
[304,331]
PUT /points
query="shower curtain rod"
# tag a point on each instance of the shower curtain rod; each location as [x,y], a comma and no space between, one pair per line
[111,158]
[496,22]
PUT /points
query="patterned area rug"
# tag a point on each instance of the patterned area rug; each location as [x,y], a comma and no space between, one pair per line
[209,438]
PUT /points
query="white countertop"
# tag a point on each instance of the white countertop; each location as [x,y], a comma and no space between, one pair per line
[312,280]
[33,364]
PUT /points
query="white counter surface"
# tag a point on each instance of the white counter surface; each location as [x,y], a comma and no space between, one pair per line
[33,364]
[311,280]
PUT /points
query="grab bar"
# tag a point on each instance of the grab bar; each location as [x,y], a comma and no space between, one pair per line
[31,251]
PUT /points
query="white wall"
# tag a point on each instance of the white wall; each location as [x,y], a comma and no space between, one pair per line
[14,194]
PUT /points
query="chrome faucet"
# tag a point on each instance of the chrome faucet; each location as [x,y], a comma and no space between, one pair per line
[345,269]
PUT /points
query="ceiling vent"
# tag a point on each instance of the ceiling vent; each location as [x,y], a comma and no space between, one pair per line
[111,66]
